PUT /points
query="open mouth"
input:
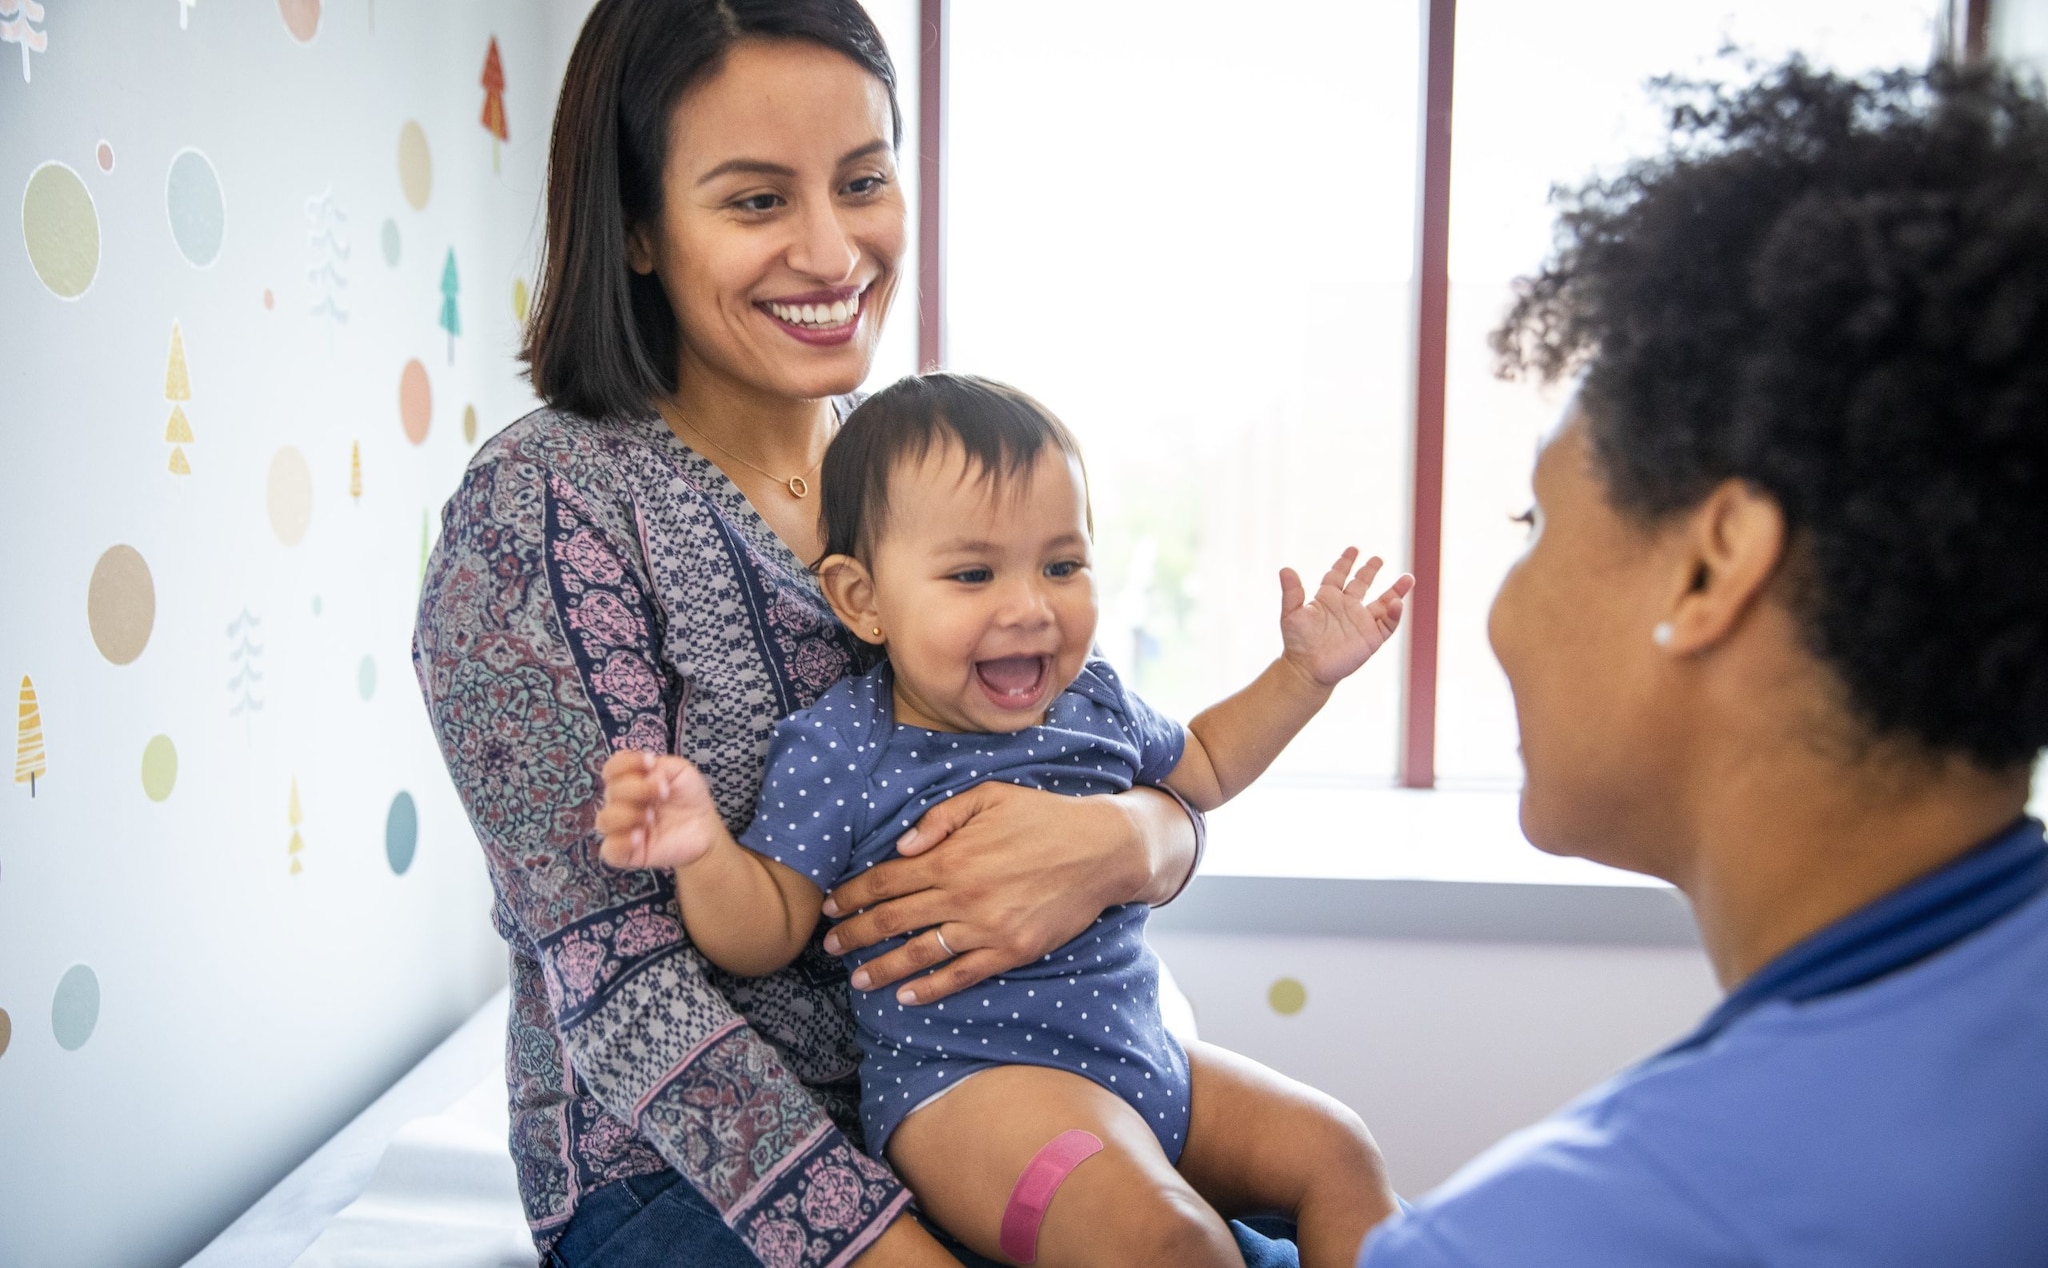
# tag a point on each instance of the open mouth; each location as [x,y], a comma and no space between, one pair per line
[1014,682]
[823,316]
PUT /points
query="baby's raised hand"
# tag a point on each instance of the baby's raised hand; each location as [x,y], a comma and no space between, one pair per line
[657,812]
[1328,637]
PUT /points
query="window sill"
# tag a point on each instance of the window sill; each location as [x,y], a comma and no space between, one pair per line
[1350,861]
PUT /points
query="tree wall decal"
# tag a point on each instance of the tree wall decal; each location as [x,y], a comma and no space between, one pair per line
[451,320]
[494,101]
[29,762]
[177,388]
[17,18]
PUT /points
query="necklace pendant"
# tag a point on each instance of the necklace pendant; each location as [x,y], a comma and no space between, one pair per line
[799,487]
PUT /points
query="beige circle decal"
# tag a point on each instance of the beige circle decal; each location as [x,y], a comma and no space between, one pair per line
[1287,997]
[415,401]
[415,165]
[290,496]
[61,229]
[120,604]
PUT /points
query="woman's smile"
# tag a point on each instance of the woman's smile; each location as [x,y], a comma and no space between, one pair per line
[822,317]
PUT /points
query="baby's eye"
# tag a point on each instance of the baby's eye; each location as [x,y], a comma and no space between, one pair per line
[972,576]
[1064,568]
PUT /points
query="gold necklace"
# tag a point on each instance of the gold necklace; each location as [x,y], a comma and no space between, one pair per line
[797,485]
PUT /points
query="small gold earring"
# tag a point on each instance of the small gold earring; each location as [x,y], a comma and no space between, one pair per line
[878,631]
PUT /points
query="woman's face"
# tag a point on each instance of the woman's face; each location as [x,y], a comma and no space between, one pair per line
[1572,627]
[782,221]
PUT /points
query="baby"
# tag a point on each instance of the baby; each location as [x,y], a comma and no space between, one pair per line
[959,540]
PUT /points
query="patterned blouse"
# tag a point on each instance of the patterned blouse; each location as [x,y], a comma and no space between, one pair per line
[599,586]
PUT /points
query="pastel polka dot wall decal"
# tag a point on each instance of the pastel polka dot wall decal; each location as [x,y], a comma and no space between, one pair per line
[415,401]
[469,424]
[75,1010]
[6,1031]
[61,229]
[193,200]
[366,677]
[522,300]
[1287,997]
[269,300]
[391,243]
[415,165]
[120,604]
[318,607]
[301,18]
[289,495]
[159,767]
[104,156]
[401,833]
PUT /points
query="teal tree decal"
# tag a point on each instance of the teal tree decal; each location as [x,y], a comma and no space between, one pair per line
[451,321]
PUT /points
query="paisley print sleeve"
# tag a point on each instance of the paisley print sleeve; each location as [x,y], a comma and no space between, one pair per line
[539,651]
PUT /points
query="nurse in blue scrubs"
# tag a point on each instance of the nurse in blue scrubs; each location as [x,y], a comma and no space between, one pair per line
[1780,637]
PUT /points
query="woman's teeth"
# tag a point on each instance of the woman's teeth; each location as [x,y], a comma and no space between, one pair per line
[817,316]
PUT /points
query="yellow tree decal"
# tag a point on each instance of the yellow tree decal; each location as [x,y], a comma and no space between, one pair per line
[355,470]
[28,742]
[177,387]
[297,844]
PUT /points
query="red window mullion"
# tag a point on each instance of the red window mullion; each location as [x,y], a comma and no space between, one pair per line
[1418,735]
[931,184]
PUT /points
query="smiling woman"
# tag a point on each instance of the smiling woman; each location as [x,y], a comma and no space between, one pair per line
[626,570]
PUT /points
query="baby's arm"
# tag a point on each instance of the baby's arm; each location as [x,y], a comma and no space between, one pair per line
[747,914]
[1323,641]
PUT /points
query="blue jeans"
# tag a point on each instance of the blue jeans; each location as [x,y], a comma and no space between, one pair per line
[657,1221]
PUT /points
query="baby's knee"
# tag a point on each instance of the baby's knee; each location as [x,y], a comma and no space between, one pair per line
[1171,1229]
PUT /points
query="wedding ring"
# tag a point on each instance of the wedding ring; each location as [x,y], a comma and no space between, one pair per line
[950,952]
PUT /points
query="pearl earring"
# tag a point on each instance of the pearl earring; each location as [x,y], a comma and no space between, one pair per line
[1663,634]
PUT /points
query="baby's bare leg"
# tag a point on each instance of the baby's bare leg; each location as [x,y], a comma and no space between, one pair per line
[1125,1207]
[1258,1141]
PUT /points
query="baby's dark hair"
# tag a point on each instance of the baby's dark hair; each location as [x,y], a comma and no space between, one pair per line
[1836,291]
[1001,429]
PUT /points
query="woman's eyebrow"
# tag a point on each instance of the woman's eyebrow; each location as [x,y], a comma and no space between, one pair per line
[760,167]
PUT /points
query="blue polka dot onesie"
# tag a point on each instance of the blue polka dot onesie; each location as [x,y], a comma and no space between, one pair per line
[845,780]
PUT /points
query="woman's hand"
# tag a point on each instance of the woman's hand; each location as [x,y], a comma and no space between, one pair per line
[1000,875]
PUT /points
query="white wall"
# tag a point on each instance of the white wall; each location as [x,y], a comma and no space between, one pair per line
[244,1009]
[1442,1047]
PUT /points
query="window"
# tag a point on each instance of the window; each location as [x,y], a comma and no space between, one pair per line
[1192,230]
[1187,228]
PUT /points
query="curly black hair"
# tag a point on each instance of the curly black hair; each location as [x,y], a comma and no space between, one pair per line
[1836,290]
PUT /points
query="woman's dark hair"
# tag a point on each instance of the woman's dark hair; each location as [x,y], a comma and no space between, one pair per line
[1001,429]
[1836,291]
[602,339]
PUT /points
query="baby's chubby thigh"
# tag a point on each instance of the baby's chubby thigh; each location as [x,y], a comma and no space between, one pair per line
[1126,1206]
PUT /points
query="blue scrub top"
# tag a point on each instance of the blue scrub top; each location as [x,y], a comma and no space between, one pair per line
[1877,1096]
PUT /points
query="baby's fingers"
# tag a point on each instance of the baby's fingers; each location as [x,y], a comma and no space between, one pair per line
[626,850]
[1341,569]
[1291,594]
[1361,581]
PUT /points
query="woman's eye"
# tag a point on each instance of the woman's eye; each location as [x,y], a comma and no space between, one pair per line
[1526,519]
[972,576]
[758,203]
[867,186]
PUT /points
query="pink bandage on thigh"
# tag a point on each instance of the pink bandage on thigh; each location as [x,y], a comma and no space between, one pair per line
[1041,1179]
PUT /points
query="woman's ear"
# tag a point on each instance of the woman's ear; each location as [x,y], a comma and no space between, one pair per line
[851,592]
[1731,547]
[639,250]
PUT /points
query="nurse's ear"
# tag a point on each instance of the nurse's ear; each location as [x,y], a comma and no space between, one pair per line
[850,589]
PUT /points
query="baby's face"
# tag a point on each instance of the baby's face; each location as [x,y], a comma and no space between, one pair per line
[985,591]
